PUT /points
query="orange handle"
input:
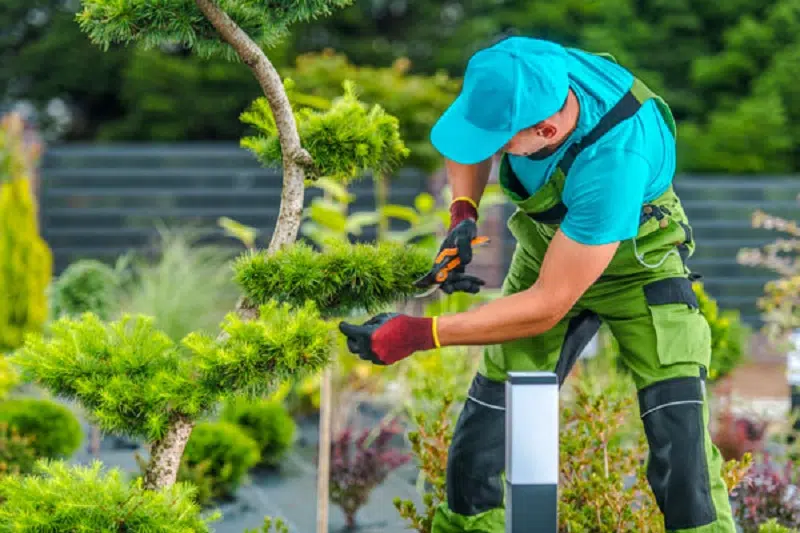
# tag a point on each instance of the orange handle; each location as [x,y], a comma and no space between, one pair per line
[477,241]
[443,273]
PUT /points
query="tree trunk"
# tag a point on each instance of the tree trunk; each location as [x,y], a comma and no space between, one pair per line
[295,157]
[166,453]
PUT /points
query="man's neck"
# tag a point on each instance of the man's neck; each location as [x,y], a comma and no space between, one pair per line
[571,114]
[569,119]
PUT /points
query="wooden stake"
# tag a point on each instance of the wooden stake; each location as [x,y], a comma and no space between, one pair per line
[324,468]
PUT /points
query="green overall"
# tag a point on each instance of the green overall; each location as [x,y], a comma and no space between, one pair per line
[646,299]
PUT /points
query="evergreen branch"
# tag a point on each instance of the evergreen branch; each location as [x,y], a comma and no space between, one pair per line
[342,279]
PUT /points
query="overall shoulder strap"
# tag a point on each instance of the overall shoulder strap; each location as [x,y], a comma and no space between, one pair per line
[626,107]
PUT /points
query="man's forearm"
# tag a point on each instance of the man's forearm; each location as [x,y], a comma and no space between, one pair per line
[468,180]
[517,316]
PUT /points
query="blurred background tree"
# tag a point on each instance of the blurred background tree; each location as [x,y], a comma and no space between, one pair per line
[728,69]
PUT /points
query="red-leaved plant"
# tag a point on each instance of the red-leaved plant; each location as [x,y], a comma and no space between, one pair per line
[735,435]
[768,491]
[358,465]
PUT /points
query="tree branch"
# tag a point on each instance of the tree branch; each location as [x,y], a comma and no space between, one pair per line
[295,157]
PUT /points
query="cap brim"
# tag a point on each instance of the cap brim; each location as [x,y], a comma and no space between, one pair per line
[460,141]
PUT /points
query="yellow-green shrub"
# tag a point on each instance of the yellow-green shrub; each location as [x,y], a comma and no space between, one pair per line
[728,334]
[25,259]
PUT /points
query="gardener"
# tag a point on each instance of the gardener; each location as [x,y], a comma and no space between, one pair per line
[587,155]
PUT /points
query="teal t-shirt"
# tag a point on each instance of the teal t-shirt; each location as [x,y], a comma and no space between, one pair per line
[611,179]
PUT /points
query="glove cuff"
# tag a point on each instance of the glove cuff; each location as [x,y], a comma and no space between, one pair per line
[405,334]
[461,208]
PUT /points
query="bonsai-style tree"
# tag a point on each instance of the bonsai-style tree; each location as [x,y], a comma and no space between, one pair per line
[133,378]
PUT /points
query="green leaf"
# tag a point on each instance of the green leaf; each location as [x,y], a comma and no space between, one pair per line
[327,215]
[402,212]
[357,221]
[337,190]
[246,234]
[425,202]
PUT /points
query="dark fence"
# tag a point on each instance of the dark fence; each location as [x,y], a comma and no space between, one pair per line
[103,200]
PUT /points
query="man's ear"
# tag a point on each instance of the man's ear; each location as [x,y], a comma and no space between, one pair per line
[546,130]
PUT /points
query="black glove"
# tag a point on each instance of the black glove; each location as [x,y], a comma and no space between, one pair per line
[359,338]
[460,238]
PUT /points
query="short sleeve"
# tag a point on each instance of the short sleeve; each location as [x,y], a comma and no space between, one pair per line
[604,197]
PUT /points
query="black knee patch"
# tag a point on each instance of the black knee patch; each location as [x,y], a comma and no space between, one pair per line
[672,413]
[476,459]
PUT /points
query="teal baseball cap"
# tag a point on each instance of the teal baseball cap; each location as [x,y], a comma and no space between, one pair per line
[507,87]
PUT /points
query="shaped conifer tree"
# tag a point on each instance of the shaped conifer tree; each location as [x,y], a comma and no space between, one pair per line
[129,375]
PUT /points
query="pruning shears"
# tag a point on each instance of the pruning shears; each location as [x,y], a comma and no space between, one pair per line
[433,279]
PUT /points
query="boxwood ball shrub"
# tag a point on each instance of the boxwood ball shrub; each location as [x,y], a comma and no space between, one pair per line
[53,429]
[217,458]
[86,285]
[89,498]
[267,422]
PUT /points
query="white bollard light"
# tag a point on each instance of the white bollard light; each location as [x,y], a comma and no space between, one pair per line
[532,452]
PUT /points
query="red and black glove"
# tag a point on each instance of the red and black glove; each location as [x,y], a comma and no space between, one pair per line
[463,229]
[390,337]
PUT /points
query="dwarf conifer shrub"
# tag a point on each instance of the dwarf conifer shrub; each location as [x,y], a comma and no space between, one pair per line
[267,422]
[26,262]
[87,285]
[77,498]
[54,431]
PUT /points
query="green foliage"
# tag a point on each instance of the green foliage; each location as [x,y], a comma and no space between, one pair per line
[9,378]
[266,527]
[188,287]
[169,95]
[603,486]
[728,334]
[16,454]
[328,218]
[726,143]
[25,260]
[54,430]
[267,422]
[430,440]
[86,286]
[703,57]
[76,498]
[416,100]
[217,459]
[345,141]
[781,301]
[133,378]
[773,526]
[285,342]
[130,375]
[181,21]
[344,278]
